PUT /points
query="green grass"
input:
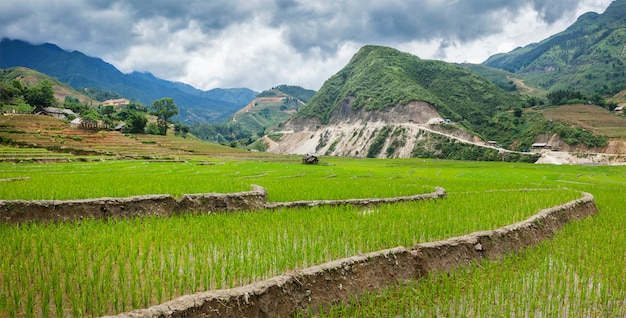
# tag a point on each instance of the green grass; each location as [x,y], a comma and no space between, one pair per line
[579,273]
[97,267]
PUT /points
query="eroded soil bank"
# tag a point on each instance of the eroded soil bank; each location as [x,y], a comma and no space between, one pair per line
[336,281]
[19,211]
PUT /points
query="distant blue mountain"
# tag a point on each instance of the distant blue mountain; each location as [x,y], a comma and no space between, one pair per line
[82,71]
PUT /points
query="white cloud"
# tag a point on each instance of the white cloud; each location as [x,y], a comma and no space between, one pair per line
[263,43]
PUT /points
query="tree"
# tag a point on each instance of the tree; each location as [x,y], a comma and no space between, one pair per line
[181,129]
[137,122]
[8,93]
[164,109]
[40,96]
[152,129]
[91,116]
[19,86]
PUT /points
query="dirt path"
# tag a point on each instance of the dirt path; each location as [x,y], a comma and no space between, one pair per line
[520,83]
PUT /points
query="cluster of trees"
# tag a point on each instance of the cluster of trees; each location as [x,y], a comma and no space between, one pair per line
[134,115]
[229,133]
[570,96]
[16,93]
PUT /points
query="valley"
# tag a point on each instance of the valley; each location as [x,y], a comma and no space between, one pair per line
[436,189]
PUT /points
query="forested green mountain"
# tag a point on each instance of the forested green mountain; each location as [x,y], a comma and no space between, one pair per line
[272,107]
[588,56]
[293,91]
[379,77]
[265,113]
[81,71]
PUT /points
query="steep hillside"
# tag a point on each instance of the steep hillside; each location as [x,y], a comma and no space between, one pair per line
[380,77]
[272,107]
[386,103]
[588,56]
[81,71]
[31,78]
[507,81]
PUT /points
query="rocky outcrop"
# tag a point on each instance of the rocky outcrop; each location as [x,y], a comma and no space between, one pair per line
[352,132]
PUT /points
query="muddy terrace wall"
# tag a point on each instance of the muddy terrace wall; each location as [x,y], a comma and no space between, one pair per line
[18,211]
[338,280]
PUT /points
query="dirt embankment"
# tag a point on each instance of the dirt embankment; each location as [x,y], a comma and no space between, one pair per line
[337,281]
[18,211]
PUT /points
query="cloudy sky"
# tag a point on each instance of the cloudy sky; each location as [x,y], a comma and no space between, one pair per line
[264,43]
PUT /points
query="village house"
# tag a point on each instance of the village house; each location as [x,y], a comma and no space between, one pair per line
[76,123]
[540,145]
[79,123]
[116,102]
[59,113]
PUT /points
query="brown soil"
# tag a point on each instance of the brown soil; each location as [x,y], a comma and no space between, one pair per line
[19,211]
[597,119]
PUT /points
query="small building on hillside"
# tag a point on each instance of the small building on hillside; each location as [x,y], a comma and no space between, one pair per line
[540,145]
[60,113]
[120,127]
[116,102]
[619,110]
[79,123]
[76,122]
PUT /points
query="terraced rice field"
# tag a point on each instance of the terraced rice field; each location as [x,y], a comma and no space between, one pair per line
[93,268]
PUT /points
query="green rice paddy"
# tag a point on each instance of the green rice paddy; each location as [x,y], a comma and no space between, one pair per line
[97,267]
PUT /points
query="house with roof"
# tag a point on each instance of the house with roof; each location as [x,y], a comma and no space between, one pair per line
[116,102]
[540,145]
[60,113]
[76,122]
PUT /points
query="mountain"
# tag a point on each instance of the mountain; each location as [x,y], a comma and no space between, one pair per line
[82,71]
[588,56]
[271,108]
[266,113]
[386,103]
[378,78]
[31,78]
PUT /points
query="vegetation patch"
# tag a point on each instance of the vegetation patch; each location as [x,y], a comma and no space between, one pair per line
[379,141]
[148,253]
[332,146]
[442,147]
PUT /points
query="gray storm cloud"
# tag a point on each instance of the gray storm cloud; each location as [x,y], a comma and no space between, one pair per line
[308,24]
[309,29]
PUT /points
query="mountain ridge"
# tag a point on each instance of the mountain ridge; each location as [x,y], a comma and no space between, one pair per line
[386,104]
[588,56]
[379,77]
[82,71]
